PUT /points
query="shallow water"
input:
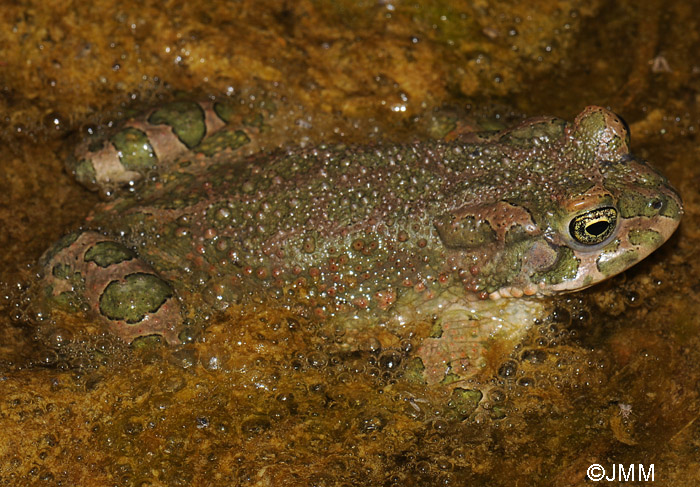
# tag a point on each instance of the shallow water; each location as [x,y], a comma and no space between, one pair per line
[611,377]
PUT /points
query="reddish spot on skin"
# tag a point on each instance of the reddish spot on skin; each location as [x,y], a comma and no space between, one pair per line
[247,271]
[385,298]
[361,303]
[443,278]
[483,295]
[315,272]
[420,287]
[470,283]
[296,270]
[319,312]
[335,278]
[277,271]
[261,272]
[407,282]
[474,270]
[210,233]
[200,249]
[422,243]
[331,292]
[301,282]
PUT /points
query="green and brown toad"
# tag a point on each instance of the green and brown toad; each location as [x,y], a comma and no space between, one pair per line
[376,234]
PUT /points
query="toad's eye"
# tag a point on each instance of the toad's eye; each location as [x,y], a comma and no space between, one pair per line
[593,227]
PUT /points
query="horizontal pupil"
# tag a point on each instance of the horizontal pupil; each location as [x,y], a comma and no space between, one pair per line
[597,228]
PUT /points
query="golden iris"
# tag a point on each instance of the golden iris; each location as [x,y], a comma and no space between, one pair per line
[593,227]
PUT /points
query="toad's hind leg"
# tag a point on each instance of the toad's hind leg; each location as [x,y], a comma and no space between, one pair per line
[119,289]
[148,144]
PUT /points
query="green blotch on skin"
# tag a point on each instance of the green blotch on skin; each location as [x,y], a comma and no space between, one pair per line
[415,370]
[504,267]
[595,131]
[610,267]
[464,402]
[225,111]
[611,247]
[105,254]
[186,120]
[466,233]
[670,208]
[228,113]
[147,342]
[69,301]
[63,243]
[62,271]
[135,151]
[450,379]
[498,412]
[222,140]
[564,269]
[257,121]
[84,172]
[647,238]
[530,135]
[436,330]
[135,297]
[634,204]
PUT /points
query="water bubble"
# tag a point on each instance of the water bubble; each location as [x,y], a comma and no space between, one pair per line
[389,360]
[372,424]
[497,395]
[317,359]
[60,337]
[533,356]
[508,369]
